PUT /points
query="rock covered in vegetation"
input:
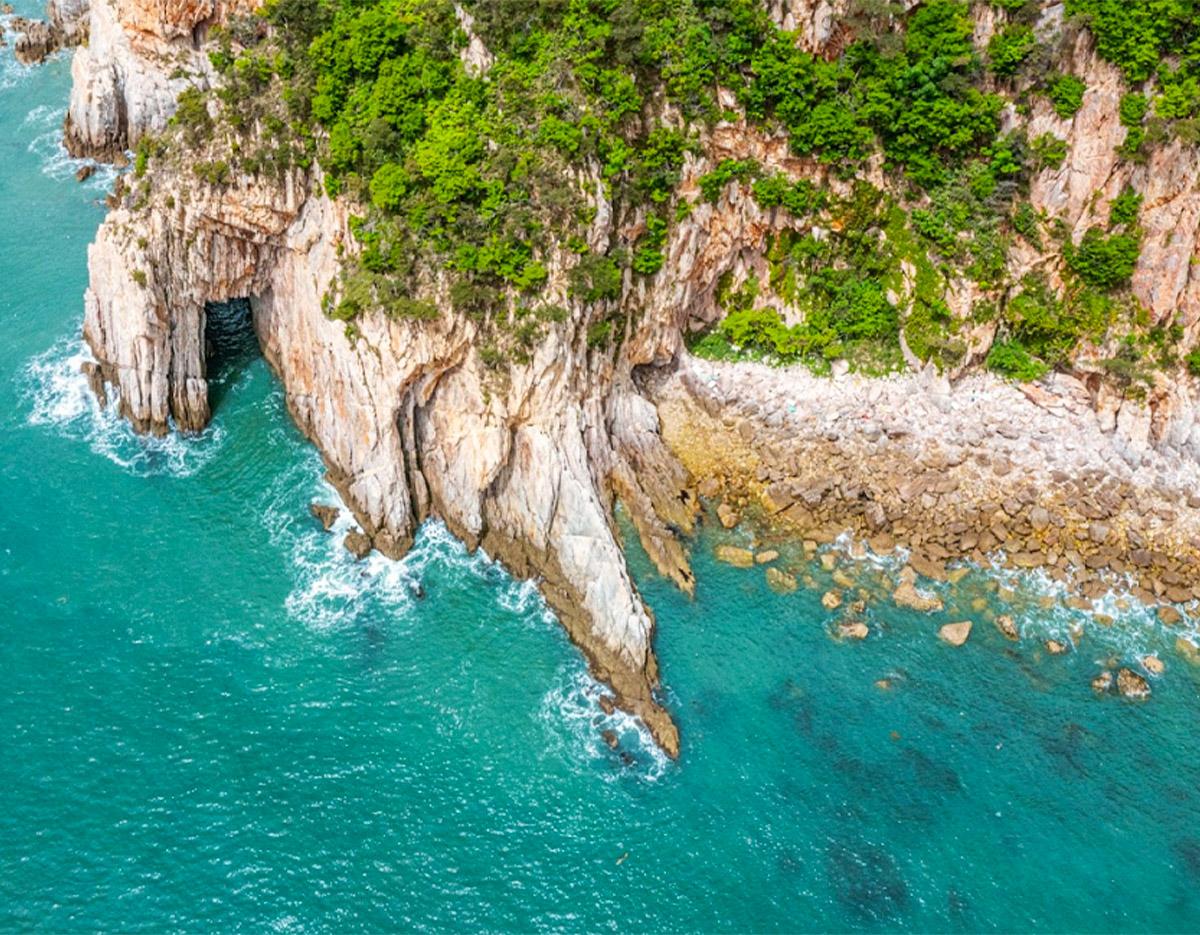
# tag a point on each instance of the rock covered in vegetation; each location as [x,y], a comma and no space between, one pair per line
[479,304]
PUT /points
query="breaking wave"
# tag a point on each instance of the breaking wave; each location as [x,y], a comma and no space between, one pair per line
[58,395]
[56,162]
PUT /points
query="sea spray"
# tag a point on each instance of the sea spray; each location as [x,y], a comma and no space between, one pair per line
[56,162]
[57,395]
[575,727]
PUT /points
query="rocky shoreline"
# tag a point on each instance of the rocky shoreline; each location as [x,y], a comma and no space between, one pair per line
[1065,477]
[986,472]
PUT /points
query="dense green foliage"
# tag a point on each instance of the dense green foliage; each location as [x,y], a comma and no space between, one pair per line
[1010,47]
[1066,94]
[1104,261]
[478,183]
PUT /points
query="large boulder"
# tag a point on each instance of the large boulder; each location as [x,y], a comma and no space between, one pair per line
[326,514]
[357,543]
[733,555]
[1132,685]
[955,633]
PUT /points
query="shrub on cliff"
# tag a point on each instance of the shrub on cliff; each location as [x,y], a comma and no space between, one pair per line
[1104,261]
[1066,94]
[1010,359]
[1009,47]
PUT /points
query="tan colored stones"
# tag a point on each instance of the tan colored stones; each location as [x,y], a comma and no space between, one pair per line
[853,630]
[831,600]
[766,556]
[842,579]
[1132,685]
[728,516]
[1189,650]
[1007,626]
[1169,616]
[733,555]
[1102,682]
[955,633]
[1153,665]
[928,568]
[1056,647]
[780,581]
[907,595]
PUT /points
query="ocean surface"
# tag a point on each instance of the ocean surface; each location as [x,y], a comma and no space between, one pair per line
[212,720]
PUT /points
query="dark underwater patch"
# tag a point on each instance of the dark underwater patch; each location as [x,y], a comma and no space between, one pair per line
[867,881]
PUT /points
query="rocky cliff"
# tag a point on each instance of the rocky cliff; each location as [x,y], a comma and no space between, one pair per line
[409,420]
[527,461]
[139,57]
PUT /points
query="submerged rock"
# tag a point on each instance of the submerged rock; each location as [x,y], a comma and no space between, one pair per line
[765,556]
[1153,665]
[1132,685]
[780,581]
[1007,626]
[1055,647]
[1189,650]
[842,579]
[831,600]
[610,738]
[955,633]
[1102,683]
[908,596]
[853,630]
[1169,616]
[357,543]
[733,555]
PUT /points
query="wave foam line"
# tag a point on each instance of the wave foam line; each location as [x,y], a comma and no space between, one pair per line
[59,396]
[56,162]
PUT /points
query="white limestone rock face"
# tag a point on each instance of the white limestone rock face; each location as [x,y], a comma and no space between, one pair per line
[140,55]
[409,421]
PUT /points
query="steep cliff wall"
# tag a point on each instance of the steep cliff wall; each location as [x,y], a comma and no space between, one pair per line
[409,420]
[526,460]
[139,57]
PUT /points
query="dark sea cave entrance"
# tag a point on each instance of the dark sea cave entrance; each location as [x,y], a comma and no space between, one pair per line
[230,345]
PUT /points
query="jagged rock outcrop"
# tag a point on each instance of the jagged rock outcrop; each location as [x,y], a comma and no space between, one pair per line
[409,420]
[139,57]
[36,40]
[527,462]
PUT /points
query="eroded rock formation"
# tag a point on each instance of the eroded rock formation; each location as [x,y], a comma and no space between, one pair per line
[527,462]
[139,57]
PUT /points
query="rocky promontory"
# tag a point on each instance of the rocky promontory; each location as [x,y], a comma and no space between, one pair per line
[1077,473]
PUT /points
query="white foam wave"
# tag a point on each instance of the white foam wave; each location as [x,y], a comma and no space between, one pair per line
[56,162]
[574,724]
[331,588]
[59,396]
[12,72]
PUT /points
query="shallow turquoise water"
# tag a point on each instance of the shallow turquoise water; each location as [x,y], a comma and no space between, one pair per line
[210,719]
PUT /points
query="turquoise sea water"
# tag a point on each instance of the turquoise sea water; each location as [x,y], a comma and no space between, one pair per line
[210,719]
